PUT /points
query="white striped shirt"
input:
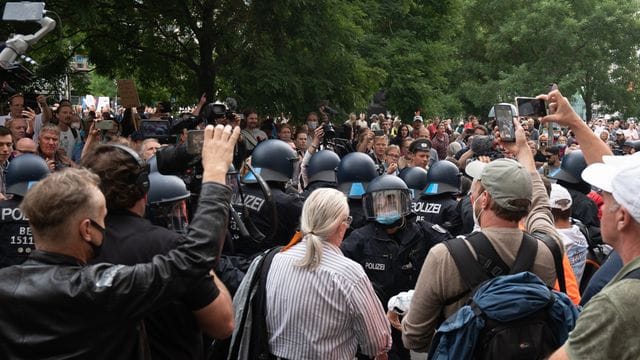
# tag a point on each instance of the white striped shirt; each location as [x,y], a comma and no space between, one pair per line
[325,313]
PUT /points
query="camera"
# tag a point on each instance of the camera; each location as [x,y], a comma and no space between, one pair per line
[104,125]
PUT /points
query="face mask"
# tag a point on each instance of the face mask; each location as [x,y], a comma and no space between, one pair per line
[476,218]
[96,249]
[389,218]
[312,125]
[75,125]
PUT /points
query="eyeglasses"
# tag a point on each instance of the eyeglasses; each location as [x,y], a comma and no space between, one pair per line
[348,220]
[97,226]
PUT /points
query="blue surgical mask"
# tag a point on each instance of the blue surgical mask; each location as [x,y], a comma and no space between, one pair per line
[389,218]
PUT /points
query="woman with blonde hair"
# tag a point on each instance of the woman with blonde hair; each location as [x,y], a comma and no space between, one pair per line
[320,304]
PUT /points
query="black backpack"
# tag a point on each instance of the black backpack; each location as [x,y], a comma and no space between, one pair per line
[527,337]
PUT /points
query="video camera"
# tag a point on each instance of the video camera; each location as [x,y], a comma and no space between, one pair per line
[13,74]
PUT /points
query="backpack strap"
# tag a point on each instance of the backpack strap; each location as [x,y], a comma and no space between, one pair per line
[526,256]
[557,257]
[470,270]
[634,274]
[259,328]
[491,263]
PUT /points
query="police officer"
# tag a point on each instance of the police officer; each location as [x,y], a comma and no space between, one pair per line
[16,241]
[355,171]
[321,171]
[569,176]
[167,202]
[273,161]
[391,247]
[437,202]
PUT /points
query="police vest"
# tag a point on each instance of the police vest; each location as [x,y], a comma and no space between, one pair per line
[16,240]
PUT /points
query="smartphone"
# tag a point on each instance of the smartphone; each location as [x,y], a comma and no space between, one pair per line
[195,139]
[528,106]
[504,119]
[551,126]
[104,125]
[378,133]
[155,128]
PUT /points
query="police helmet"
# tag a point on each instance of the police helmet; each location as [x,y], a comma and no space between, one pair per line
[355,171]
[416,179]
[443,177]
[386,200]
[571,168]
[273,161]
[322,166]
[23,172]
[167,202]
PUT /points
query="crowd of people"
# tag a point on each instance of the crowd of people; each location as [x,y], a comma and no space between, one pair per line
[115,244]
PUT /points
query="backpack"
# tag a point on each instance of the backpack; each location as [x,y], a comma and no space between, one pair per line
[597,253]
[512,313]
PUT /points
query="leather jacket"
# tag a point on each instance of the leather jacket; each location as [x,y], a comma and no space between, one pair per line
[53,306]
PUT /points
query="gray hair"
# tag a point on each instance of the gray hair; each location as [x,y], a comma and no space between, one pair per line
[321,214]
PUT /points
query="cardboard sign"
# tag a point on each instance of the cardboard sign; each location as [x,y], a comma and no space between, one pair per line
[128,93]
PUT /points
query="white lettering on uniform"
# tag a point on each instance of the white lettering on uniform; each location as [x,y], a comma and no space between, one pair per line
[374,266]
[253,202]
[426,208]
[13,214]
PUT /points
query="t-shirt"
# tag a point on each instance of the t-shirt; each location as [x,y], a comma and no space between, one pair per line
[576,247]
[608,325]
[67,141]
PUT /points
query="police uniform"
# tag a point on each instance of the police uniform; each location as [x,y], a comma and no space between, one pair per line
[392,262]
[16,240]
[438,209]
[288,207]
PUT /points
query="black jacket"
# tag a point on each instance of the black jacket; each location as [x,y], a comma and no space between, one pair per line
[172,330]
[55,307]
[439,209]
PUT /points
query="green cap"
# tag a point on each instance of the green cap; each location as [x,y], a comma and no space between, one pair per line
[506,180]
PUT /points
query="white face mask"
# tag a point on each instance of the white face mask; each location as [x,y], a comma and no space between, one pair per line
[75,125]
[476,218]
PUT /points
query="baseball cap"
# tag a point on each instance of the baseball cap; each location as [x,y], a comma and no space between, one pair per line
[619,132]
[505,180]
[420,145]
[559,198]
[417,118]
[619,176]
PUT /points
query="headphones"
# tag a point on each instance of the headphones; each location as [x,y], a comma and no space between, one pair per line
[142,180]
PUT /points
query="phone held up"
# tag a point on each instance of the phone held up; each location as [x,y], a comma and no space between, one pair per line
[504,120]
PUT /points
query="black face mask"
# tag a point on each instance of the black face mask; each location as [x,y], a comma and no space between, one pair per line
[96,248]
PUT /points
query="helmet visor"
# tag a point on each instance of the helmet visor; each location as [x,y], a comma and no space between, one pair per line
[386,203]
[173,216]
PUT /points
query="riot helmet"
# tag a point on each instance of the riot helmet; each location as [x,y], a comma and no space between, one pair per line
[416,179]
[571,168]
[322,166]
[167,202]
[355,171]
[443,177]
[23,172]
[273,161]
[387,200]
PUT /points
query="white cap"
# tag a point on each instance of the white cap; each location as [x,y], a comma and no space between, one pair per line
[559,198]
[417,118]
[619,176]
[474,169]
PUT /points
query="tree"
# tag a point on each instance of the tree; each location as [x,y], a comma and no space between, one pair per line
[517,47]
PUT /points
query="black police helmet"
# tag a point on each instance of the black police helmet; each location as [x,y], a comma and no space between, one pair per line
[23,172]
[386,193]
[273,161]
[415,177]
[165,189]
[443,177]
[571,168]
[355,171]
[322,166]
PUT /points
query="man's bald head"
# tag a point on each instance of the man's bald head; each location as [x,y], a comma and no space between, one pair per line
[25,146]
